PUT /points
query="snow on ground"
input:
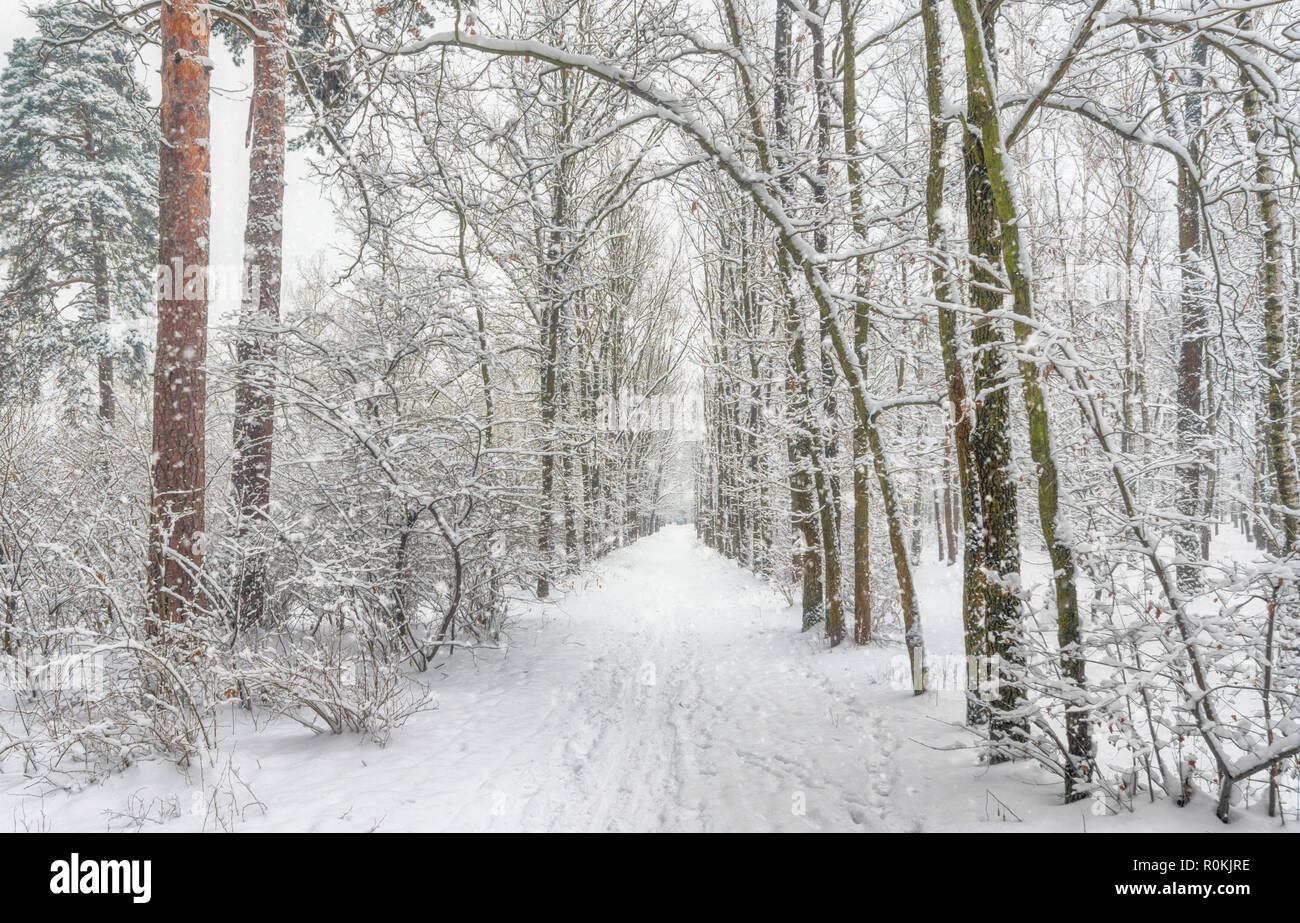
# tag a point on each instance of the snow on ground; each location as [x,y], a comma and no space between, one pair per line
[668,690]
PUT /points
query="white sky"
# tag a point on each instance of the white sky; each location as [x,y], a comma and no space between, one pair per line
[310,227]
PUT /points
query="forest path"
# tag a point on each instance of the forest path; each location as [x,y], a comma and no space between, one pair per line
[695,704]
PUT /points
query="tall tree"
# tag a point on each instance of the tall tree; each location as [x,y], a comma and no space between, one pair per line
[803,512]
[260,315]
[825,438]
[178,471]
[1193,320]
[955,372]
[1277,434]
[78,164]
[553,296]
[982,83]
[861,332]
[998,529]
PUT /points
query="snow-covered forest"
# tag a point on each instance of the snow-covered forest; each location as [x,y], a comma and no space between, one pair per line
[688,415]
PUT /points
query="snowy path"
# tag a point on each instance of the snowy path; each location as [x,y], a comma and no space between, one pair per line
[669,690]
[690,707]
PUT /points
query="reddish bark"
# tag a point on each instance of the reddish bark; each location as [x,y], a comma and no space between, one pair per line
[255,374]
[179,384]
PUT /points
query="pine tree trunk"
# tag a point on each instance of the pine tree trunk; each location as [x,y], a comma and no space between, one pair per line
[256,350]
[178,471]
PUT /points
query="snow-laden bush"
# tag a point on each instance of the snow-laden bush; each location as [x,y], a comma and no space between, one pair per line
[84,689]
[339,678]
[377,564]
[393,499]
[102,709]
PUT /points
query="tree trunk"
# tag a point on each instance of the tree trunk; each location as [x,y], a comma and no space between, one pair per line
[179,384]
[1277,371]
[552,300]
[103,314]
[982,84]
[1191,355]
[948,502]
[995,527]
[255,373]
[824,474]
[799,448]
[861,333]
